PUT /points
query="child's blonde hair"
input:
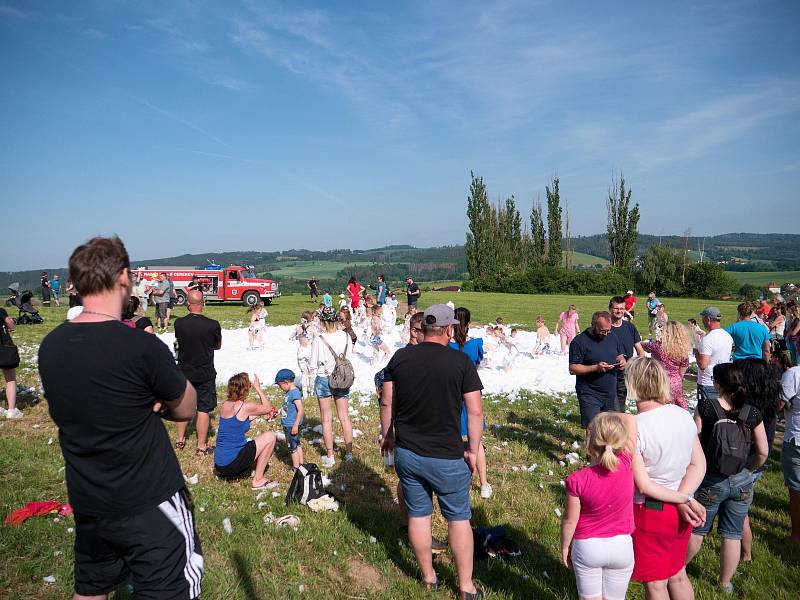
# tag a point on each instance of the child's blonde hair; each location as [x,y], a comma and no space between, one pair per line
[606,438]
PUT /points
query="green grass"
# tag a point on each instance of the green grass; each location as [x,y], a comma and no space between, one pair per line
[259,561]
[322,269]
[764,277]
[579,258]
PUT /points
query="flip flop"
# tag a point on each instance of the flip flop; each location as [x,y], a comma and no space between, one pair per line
[204,451]
[180,444]
[267,485]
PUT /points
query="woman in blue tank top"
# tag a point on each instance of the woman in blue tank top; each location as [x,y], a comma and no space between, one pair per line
[472,347]
[235,455]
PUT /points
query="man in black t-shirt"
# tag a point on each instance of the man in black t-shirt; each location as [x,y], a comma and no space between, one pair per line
[412,292]
[421,422]
[631,341]
[107,387]
[313,288]
[594,356]
[198,337]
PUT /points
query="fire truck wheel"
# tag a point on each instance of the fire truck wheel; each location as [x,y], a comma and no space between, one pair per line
[181,298]
[250,298]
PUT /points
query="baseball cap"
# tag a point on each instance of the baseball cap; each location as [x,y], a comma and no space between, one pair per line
[284,375]
[630,292]
[439,315]
[712,312]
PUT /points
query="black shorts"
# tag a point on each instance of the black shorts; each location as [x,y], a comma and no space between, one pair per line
[161,309]
[206,395]
[241,465]
[172,302]
[158,550]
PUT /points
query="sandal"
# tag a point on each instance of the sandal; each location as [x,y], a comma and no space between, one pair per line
[204,451]
[431,586]
[180,444]
[472,596]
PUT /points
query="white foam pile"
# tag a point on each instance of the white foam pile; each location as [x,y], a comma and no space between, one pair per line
[543,373]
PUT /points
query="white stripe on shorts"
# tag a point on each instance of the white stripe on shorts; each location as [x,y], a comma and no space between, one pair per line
[178,513]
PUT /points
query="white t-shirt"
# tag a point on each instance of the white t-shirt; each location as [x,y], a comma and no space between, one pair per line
[665,441]
[790,382]
[717,345]
[321,358]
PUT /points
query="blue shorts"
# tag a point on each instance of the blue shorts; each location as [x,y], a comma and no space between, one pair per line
[323,390]
[730,498]
[592,403]
[420,476]
[709,392]
[790,464]
[293,441]
[464,429]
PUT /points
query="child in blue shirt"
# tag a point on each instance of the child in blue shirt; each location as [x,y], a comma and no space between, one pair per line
[292,414]
[327,300]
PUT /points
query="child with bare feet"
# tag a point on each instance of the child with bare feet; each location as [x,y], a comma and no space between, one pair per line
[292,414]
[379,348]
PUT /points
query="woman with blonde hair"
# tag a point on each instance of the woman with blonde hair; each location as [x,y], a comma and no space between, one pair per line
[331,342]
[598,521]
[666,439]
[672,351]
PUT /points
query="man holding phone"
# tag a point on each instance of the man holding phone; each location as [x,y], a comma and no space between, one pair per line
[594,359]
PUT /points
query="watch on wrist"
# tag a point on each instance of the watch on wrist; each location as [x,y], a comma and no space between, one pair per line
[689,498]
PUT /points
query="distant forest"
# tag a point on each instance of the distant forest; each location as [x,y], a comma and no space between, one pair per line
[739,252]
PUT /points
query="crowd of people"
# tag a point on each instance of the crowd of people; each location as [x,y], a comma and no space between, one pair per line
[654,485]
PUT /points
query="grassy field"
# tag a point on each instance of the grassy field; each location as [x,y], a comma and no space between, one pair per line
[360,552]
[764,277]
[306,269]
[579,258]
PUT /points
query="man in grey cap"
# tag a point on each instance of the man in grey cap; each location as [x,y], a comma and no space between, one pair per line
[714,348]
[423,389]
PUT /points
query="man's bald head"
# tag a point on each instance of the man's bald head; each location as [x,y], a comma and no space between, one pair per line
[195,299]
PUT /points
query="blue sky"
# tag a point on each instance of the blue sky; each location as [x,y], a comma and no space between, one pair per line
[202,126]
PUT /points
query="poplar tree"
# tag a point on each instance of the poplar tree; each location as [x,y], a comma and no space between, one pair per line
[554,255]
[479,246]
[623,224]
[538,239]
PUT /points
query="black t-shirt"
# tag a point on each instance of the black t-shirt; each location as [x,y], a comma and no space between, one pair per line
[628,336]
[412,289]
[586,349]
[198,337]
[430,381]
[143,322]
[101,381]
[45,281]
[708,415]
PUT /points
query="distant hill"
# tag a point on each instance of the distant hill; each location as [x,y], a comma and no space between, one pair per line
[739,251]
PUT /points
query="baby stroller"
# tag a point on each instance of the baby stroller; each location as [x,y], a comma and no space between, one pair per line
[28,315]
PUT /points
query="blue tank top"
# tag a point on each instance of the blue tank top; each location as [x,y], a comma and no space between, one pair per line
[230,438]
[473,348]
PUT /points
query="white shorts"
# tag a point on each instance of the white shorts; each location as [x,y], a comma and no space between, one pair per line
[603,566]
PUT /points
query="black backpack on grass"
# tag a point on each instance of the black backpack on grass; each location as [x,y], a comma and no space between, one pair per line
[306,484]
[729,445]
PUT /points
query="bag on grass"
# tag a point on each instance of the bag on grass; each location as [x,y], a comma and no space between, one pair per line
[306,484]
[729,446]
[343,374]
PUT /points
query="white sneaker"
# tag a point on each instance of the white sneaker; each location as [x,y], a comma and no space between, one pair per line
[328,461]
[2,412]
[14,413]
[486,491]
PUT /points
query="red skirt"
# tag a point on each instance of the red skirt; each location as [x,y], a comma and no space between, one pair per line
[660,541]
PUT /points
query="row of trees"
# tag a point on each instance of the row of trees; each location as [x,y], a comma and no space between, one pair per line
[500,246]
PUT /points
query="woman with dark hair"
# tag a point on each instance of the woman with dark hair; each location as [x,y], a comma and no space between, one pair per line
[354,289]
[723,425]
[764,393]
[133,316]
[472,347]
[235,456]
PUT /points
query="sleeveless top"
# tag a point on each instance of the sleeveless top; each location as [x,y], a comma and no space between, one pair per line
[230,438]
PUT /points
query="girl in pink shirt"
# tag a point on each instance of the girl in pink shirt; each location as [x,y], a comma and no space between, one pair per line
[598,520]
[567,326]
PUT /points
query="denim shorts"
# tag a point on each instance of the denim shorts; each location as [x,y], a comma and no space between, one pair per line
[323,390]
[420,476]
[293,441]
[728,496]
[790,463]
[709,392]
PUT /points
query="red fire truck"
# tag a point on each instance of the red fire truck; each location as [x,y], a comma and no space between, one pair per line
[220,284]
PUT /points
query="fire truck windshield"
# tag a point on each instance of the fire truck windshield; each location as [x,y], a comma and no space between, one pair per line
[248,274]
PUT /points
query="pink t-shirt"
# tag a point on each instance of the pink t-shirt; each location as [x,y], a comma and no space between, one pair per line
[568,323]
[606,499]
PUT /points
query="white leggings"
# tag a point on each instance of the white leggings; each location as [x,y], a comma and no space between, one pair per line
[603,566]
